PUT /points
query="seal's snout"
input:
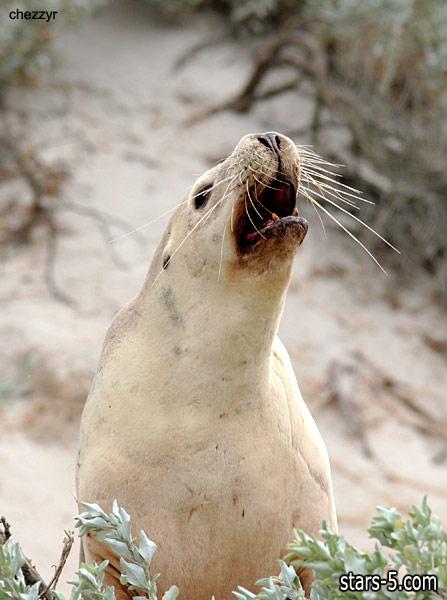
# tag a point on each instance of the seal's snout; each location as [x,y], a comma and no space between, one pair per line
[265,215]
[272,141]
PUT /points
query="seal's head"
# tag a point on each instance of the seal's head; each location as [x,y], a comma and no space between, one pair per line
[266,219]
[245,209]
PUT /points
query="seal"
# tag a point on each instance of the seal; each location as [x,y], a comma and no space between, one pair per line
[195,422]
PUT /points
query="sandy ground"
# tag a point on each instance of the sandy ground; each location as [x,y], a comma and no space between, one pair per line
[365,348]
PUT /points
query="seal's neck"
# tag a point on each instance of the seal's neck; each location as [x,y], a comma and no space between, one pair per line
[219,323]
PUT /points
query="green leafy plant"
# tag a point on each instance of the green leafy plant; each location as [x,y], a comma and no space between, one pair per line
[417,545]
[26,44]
[12,580]
[414,546]
[115,529]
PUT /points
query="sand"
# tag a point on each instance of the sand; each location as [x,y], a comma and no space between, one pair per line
[361,342]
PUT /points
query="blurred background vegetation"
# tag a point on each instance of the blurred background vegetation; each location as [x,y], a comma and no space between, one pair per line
[376,69]
[26,49]
[95,108]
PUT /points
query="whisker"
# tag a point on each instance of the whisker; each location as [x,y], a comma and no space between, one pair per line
[361,222]
[141,227]
[249,216]
[163,214]
[306,195]
[272,173]
[264,185]
[226,193]
[337,184]
[351,235]
[251,201]
[212,187]
[260,182]
[320,219]
[329,189]
[311,155]
[221,250]
[201,220]
[187,237]
[322,188]
[257,197]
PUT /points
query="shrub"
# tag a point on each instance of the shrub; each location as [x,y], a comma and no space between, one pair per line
[377,75]
[254,16]
[417,545]
[26,45]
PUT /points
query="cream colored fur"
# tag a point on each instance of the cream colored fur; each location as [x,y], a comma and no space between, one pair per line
[195,422]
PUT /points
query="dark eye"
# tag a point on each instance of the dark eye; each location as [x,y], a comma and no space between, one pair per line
[202,196]
[165,260]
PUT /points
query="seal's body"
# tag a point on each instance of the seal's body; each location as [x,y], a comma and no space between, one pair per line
[195,422]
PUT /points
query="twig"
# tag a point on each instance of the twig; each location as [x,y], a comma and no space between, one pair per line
[44,182]
[196,48]
[339,375]
[49,271]
[102,217]
[30,574]
[6,533]
[313,66]
[67,545]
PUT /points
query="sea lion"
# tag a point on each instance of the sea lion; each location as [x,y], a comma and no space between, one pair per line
[195,422]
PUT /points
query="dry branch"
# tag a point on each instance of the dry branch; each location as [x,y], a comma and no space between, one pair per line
[67,545]
[396,131]
[45,183]
[343,384]
[187,56]
[358,378]
[6,533]
[30,573]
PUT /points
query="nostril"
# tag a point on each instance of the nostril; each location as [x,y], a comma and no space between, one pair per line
[271,141]
[265,141]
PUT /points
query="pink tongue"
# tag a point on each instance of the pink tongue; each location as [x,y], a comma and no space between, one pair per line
[250,236]
[253,234]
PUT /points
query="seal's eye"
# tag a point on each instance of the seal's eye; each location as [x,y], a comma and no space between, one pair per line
[202,196]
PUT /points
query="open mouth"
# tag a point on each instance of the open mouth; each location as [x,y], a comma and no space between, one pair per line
[271,214]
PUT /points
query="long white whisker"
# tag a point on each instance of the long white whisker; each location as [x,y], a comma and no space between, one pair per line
[205,216]
[251,201]
[310,155]
[336,186]
[257,198]
[141,227]
[351,235]
[226,193]
[320,219]
[221,250]
[260,182]
[212,187]
[322,189]
[249,216]
[272,172]
[362,223]
[163,214]
[306,195]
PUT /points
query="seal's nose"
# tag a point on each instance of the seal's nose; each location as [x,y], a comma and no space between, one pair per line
[271,140]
